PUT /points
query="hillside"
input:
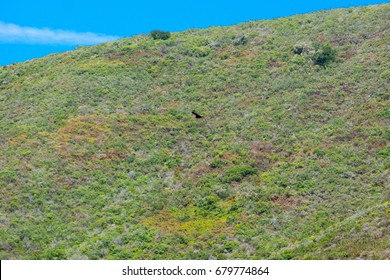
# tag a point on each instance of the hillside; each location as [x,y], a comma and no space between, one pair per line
[101,157]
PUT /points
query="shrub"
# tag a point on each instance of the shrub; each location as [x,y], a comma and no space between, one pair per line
[217,162]
[237,173]
[56,254]
[229,246]
[287,255]
[302,48]
[160,35]
[324,55]
[242,40]
[208,203]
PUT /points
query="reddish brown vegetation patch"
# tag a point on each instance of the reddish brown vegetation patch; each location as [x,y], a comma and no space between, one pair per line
[80,132]
[284,201]
[259,151]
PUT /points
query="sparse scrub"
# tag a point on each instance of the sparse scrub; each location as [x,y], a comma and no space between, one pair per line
[101,157]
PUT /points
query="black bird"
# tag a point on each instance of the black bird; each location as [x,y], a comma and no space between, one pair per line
[197,115]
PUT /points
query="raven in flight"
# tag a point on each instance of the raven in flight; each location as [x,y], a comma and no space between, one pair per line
[197,115]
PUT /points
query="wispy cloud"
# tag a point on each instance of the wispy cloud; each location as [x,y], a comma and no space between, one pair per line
[12,33]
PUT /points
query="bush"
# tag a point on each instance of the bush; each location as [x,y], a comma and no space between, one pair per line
[303,48]
[237,173]
[217,162]
[324,55]
[160,35]
[208,203]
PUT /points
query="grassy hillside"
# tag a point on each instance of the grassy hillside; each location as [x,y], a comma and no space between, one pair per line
[101,158]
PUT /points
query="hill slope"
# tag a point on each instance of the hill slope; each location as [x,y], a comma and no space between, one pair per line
[101,158]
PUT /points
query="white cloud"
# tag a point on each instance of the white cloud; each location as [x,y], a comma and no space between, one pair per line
[12,33]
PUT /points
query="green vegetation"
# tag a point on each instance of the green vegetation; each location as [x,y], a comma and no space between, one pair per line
[324,55]
[101,158]
[160,35]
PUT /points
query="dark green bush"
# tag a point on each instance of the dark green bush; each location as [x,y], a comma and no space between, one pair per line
[324,55]
[208,203]
[287,255]
[160,35]
[217,162]
[237,173]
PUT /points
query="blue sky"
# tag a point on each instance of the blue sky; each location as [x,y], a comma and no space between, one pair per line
[31,29]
